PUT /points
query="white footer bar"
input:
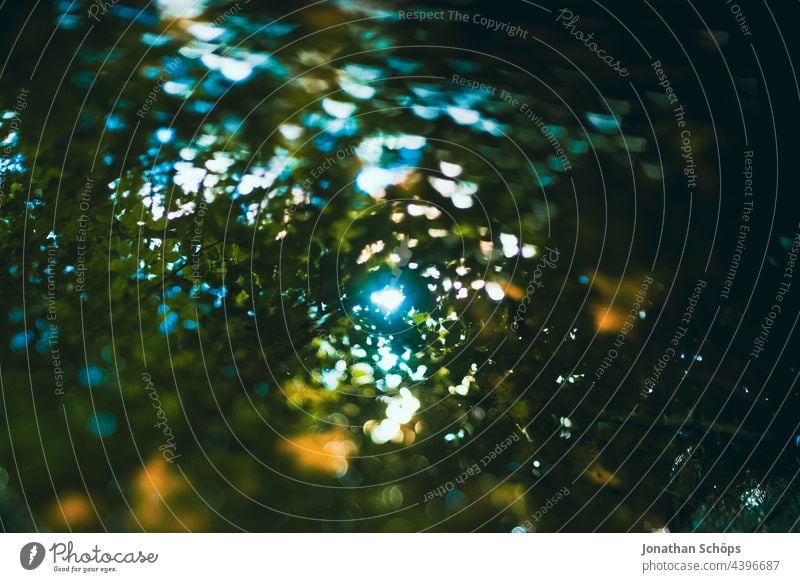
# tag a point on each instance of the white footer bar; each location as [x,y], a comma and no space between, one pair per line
[400,557]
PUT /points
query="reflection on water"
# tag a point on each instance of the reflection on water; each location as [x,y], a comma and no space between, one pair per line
[349,276]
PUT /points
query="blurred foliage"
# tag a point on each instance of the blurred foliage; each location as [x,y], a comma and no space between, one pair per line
[235,232]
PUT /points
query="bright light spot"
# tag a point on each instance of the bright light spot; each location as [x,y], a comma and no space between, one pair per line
[235,70]
[354,78]
[359,91]
[463,388]
[165,135]
[326,349]
[492,127]
[752,498]
[510,244]
[462,201]
[290,131]
[188,177]
[405,141]
[188,154]
[205,32]
[430,212]
[175,88]
[450,170]
[425,112]
[361,374]
[444,187]
[368,251]
[374,180]
[463,116]
[459,192]
[495,291]
[338,109]
[432,272]
[419,375]
[402,408]
[181,8]
[393,380]
[604,123]
[387,299]
[387,361]
[206,140]
[231,69]
[219,164]
[385,431]
[330,379]
[249,182]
